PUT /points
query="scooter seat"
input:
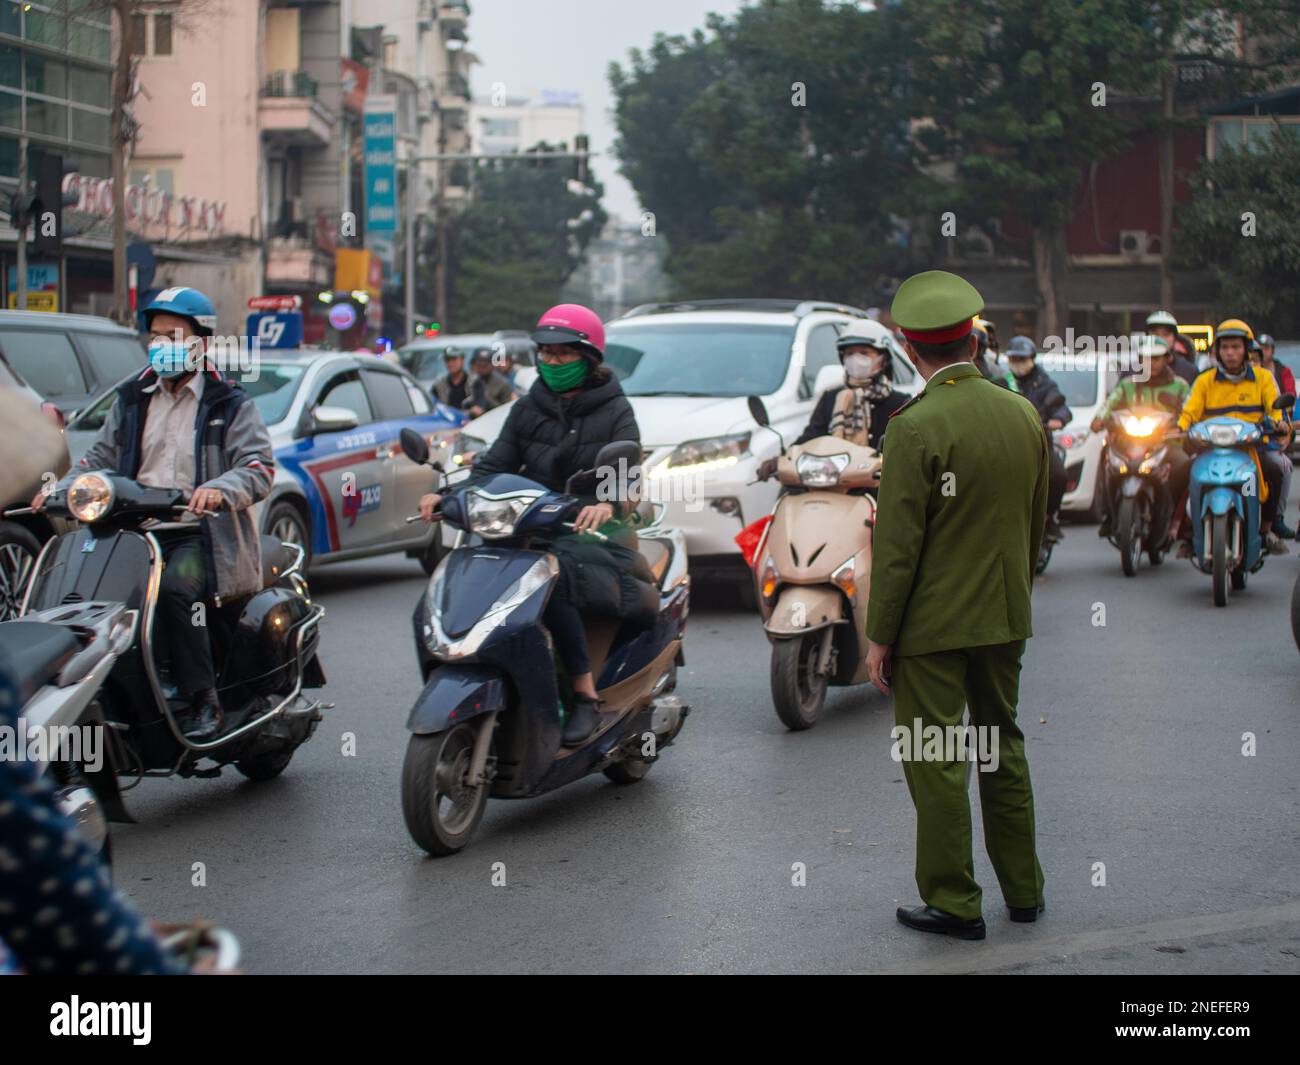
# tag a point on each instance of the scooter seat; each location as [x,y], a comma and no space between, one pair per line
[33,652]
[657,555]
[276,558]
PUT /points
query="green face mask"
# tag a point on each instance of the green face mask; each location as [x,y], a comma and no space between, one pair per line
[563,377]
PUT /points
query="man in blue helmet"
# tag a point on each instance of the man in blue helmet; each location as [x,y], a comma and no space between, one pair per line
[182,424]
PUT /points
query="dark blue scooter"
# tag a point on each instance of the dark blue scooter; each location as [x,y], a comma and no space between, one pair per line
[489,719]
[1223,498]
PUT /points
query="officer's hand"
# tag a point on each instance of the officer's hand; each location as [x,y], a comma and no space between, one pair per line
[767,468]
[206,501]
[592,517]
[428,504]
[880,665]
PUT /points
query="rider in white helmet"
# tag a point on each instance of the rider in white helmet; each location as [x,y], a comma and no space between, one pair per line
[860,409]
[1165,325]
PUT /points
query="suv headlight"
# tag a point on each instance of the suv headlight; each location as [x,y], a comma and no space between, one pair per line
[90,497]
[711,453]
[821,471]
[496,518]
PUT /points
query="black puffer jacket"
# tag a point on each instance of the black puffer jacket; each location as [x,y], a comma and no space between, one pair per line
[548,439]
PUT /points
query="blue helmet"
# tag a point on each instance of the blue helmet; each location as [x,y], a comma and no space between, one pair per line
[186,303]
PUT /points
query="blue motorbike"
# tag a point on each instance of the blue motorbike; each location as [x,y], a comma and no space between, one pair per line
[1223,498]
[489,720]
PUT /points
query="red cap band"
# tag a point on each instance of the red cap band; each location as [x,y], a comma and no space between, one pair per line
[939,336]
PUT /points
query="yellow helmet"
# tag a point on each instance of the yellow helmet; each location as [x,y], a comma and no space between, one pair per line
[1234,327]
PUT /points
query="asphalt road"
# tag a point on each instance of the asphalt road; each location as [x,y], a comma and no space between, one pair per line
[1135,740]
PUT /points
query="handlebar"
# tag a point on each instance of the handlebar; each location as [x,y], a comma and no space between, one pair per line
[589,532]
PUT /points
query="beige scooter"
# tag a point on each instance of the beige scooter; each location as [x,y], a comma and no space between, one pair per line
[813,572]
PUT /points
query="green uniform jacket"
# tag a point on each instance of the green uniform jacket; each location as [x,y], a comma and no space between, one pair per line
[963,498]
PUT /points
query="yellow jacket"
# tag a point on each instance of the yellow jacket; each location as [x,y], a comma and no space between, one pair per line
[1249,400]
[1213,396]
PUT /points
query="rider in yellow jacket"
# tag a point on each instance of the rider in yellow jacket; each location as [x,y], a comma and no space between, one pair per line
[1234,388]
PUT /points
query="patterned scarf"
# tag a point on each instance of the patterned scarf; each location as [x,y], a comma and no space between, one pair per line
[851,416]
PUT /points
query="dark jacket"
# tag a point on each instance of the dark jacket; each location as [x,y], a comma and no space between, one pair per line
[1039,388]
[488,392]
[232,452]
[881,411]
[548,439]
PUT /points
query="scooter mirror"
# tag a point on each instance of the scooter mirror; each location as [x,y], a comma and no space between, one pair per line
[415,446]
[1284,402]
[758,411]
[620,454]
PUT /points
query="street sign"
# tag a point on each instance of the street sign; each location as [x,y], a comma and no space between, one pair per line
[277,329]
[380,142]
[275,303]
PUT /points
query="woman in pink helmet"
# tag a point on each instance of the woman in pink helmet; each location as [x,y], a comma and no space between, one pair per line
[574,408]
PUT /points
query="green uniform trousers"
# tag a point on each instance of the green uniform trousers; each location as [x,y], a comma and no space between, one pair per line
[935,688]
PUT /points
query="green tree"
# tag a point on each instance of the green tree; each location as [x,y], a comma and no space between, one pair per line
[772,149]
[1013,91]
[513,248]
[1241,224]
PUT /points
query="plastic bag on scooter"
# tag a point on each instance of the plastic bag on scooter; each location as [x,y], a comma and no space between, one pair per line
[750,537]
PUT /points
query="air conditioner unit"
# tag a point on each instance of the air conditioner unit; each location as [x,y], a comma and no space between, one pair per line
[1134,241]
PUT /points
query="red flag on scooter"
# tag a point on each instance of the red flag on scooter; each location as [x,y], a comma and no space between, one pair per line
[750,537]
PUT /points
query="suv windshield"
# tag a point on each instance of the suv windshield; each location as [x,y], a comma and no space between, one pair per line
[699,360]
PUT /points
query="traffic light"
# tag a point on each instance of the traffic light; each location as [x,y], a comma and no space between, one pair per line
[47,210]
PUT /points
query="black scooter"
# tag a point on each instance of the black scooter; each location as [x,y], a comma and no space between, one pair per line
[264,645]
[488,721]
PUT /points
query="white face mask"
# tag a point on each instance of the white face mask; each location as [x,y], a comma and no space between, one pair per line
[861,367]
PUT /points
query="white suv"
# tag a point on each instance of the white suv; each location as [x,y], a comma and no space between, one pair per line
[688,369]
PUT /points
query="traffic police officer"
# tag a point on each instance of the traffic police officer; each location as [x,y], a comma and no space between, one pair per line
[963,500]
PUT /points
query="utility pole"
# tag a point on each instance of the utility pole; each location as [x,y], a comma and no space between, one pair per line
[120,135]
[408,270]
[1167,85]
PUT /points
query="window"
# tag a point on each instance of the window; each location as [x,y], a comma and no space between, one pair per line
[46,76]
[47,28]
[92,419]
[11,114]
[46,360]
[418,399]
[111,358]
[389,394]
[10,62]
[91,40]
[160,177]
[8,156]
[274,389]
[91,127]
[10,18]
[44,116]
[151,34]
[162,35]
[87,86]
[699,360]
[499,127]
[820,351]
[139,34]
[346,392]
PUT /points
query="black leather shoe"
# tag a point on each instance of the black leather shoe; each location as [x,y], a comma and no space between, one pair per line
[928,919]
[206,719]
[582,721]
[1026,914]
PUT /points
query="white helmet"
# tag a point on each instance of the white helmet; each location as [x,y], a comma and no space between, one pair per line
[865,331]
[1163,318]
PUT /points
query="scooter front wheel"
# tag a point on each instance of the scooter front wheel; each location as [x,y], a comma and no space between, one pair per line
[798,693]
[1129,534]
[442,811]
[1219,559]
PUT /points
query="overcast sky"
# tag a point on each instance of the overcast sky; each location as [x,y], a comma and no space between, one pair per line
[568,45]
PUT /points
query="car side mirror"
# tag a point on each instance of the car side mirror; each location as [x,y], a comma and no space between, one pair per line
[414,446]
[1284,402]
[332,420]
[758,411]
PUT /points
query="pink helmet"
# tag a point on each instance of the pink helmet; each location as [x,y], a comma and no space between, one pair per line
[570,323]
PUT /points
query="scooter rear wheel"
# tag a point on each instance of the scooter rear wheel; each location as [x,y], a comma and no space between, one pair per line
[442,813]
[268,764]
[797,692]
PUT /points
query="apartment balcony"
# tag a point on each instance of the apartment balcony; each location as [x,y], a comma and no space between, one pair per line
[453,15]
[453,94]
[288,110]
[296,261]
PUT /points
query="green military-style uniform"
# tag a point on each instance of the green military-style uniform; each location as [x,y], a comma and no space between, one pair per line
[963,498]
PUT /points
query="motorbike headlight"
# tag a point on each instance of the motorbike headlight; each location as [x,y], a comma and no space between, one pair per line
[711,453]
[1140,425]
[493,519]
[821,471]
[1152,461]
[90,497]
[538,575]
